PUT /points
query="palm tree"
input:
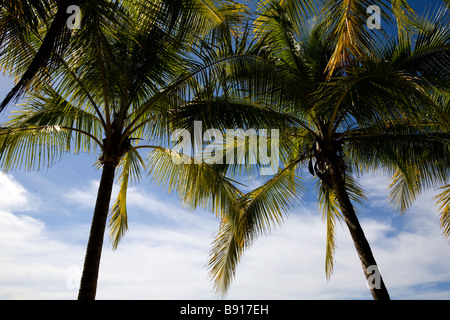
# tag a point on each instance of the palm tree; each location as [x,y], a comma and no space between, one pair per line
[370,107]
[113,92]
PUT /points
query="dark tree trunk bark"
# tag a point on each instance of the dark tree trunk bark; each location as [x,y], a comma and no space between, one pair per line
[369,265]
[88,286]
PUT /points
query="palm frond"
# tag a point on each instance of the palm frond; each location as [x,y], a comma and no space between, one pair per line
[251,215]
[400,150]
[32,148]
[405,17]
[330,213]
[46,127]
[279,28]
[404,189]
[443,199]
[206,188]
[43,48]
[263,208]
[428,56]
[49,108]
[348,19]
[225,254]
[131,165]
[238,121]
[298,11]
[374,93]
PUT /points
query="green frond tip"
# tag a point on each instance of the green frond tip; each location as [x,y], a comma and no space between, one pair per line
[249,216]
[443,199]
[329,206]
[404,188]
[118,224]
[226,251]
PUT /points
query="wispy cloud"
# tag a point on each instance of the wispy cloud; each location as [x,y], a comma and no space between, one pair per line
[84,197]
[13,196]
[33,264]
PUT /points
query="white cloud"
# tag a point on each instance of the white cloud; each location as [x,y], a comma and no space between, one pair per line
[83,197]
[157,263]
[164,255]
[13,195]
[33,264]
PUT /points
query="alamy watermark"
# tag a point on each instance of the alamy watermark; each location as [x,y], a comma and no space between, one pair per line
[73,277]
[74,20]
[374,21]
[235,146]
[374,278]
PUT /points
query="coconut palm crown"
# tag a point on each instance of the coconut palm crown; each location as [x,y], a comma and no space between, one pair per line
[346,101]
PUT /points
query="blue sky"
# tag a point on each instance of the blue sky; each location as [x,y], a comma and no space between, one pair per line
[45,219]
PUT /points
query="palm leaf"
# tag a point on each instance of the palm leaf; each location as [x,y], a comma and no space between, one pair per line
[374,93]
[443,199]
[226,252]
[32,148]
[131,165]
[400,150]
[348,18]
[206,188]
[427,58]
[251,215]
[330,213]
[404,189]
[405,17]
[298,11]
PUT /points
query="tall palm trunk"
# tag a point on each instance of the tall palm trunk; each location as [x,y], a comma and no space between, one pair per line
[88,286]
[379,290]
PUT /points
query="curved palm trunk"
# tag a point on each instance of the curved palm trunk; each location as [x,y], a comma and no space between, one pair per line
[378,290]
[88,286]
